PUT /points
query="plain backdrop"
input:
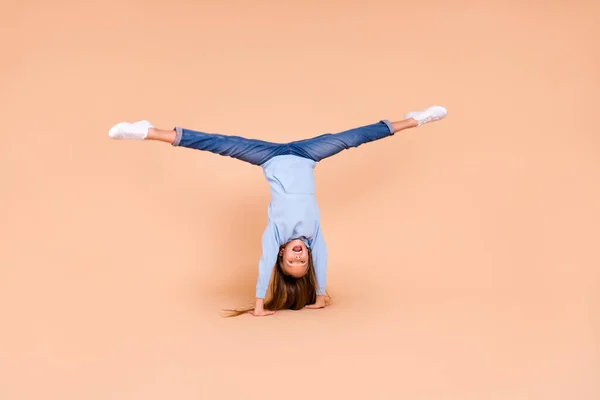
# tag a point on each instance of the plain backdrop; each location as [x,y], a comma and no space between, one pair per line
[463,255]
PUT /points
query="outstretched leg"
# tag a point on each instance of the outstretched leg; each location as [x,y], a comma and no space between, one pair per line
[327,145]
[253,151]
[323,146]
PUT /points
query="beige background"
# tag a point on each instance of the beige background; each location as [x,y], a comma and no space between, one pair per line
[463,256]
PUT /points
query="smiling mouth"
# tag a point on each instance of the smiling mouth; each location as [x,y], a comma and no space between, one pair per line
[297,249]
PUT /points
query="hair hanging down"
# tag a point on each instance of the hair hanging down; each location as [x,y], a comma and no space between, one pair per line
[287,292]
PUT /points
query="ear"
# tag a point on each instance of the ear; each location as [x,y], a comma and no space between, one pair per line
[281,252]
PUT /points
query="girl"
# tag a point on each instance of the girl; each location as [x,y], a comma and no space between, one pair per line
[293,263]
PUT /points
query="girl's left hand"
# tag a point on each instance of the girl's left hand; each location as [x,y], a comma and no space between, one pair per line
[320,303]
[261,312]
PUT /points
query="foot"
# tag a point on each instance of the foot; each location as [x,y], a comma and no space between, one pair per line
[430,114]
[130,130]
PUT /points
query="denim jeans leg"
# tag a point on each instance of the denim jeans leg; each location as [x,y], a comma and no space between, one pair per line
[253,151]
[323,146]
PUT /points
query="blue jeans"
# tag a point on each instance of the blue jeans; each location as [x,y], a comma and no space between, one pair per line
[257,152]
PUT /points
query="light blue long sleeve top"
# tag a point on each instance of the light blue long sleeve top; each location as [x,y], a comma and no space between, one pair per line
[293,213]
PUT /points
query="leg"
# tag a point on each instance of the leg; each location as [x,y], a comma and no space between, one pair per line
[253,151]
[329,144]
[162,135]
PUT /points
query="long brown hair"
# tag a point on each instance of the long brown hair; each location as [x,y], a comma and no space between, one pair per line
[285,291]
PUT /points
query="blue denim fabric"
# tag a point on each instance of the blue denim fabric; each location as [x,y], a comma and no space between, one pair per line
[257,152]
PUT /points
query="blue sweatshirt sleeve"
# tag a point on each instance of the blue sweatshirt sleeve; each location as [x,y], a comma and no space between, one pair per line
[270,248]
[319,254]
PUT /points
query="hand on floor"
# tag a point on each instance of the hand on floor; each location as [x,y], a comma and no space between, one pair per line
[320,303]
[261,313]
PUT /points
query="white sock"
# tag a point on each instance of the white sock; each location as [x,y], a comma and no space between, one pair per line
[130,130]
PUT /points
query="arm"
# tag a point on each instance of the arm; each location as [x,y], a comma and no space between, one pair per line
[320,258]
[270,248]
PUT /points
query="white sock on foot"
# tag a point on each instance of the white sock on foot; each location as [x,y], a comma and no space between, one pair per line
[130,130]
[430,114]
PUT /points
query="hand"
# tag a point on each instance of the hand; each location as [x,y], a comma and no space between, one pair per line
[259,310]
[319,303]
[261,313]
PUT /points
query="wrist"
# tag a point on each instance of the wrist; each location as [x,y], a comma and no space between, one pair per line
[259,303]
